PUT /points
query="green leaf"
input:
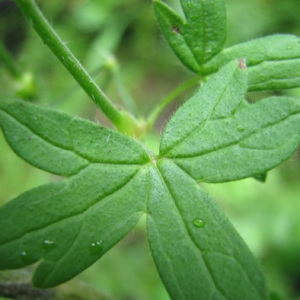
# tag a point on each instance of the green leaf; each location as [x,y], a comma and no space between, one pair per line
[69,224]
[198,38]
[61,144]
[273,61]
[198,253]
[205,27]
[220,96]
[171,25]
[261,177]
[215,147]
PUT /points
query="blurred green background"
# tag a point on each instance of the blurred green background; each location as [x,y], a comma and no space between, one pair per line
[120,44]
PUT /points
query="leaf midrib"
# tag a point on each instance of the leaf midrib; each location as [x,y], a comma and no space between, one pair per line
[188,232]
[201,125]
[96,201]
[71,149]
[234,143]
[192,239]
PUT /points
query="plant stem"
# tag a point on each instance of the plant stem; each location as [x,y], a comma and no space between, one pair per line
[169,98]
[9,62]
[123,92]
[62,52]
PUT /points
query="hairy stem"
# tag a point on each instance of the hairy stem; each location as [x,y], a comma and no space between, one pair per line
[62,52]
[169,98]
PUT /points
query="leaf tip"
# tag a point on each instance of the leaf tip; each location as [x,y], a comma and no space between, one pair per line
[176,29]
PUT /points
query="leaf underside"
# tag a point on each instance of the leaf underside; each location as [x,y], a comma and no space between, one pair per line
[111,181]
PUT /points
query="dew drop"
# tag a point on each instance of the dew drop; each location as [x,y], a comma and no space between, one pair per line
[199,223]
[48,245]
[241,129]
[96,247]
[25,258]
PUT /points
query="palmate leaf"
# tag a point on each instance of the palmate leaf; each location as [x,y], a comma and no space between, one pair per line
[69,224]
[200,36]
[209,139]
[213,137]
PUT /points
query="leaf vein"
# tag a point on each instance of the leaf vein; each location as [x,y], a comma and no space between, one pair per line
[222,253]
[96,201]
[235,143]
[70,149]
[191,237]
[170,261]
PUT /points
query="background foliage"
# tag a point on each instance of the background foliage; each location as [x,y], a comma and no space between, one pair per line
[119,42]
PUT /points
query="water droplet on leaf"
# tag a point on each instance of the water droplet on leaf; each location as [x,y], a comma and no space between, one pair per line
[96,247]
[48,245]
[25,258]
[199,223]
